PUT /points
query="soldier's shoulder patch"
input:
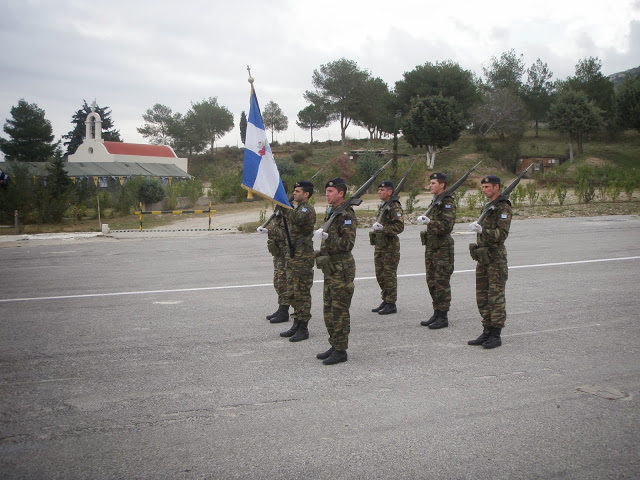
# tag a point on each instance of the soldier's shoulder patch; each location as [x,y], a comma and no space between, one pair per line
[347,222]
[503,216]
[304,209]
[447,205]
[399,214]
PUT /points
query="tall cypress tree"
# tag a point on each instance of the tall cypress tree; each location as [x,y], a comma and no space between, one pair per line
[76,136]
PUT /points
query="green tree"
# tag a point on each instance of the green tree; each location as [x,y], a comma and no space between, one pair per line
[210,119]
[312,117]
[573,113]
[538,91]
[505,72]
[628,102]
[187,136]
[339,87]
[158,121]
[432,122]
[31,134]
[447,79]
[58,190]
[243,127]
[76,136]
[274,119]
[373,114]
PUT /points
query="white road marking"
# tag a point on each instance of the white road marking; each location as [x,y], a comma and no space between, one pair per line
[259,285]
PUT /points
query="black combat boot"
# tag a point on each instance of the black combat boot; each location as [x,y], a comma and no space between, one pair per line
[292,330]
[426,323]
[388,308]
[494,339]
[282,316]
[269,317]
[379,307]
[323,355]
[337,356]
[301,334]
[442,321]
[482,338]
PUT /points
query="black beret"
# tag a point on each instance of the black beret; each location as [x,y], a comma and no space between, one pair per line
[304,184]
[438,176]
[491,179]
[334,182]
[386,184]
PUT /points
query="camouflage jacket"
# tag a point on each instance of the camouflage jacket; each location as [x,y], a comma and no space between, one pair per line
[392,221]
[276,232]
[301,221]
[495,226]
[443,217]
[342,233]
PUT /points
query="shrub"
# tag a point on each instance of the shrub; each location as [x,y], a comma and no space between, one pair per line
[518,195]
[614,189]
[532,193]
[298,156]
[411,203]
[547,197]
[585,191]
[151,190]
[561,192]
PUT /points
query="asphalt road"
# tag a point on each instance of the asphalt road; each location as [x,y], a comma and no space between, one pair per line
[140,356]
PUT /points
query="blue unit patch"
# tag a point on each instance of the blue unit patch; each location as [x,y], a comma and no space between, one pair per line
[347,222]
[503,216]
[447,206]
[304,209]
[399,214]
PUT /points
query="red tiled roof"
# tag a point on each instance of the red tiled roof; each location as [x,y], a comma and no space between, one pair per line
[121,148]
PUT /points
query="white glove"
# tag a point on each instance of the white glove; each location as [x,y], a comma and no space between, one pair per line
[475,227]
[262,230]
[377,227]
[423,220]
[320,234]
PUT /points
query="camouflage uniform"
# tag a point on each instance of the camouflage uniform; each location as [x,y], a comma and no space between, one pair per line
[277,245]
[492,270]
[386,254]
[339,277]
[301,221]
[438,254]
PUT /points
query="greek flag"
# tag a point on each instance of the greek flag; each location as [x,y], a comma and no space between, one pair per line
[260,174]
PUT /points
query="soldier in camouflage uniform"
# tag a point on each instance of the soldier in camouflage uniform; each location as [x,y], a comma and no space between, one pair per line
[339,268]
[492,270]
[277,245]
[386,254]
[438,254]
[300,221]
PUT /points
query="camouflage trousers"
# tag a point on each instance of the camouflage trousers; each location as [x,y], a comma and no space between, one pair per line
[337,295]
[299,283]
[280,279]
[386,263]
[439,267]
[490,285]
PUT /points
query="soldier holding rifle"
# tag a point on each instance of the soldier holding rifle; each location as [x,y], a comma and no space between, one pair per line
[386,256]
[438,253]
[492,228]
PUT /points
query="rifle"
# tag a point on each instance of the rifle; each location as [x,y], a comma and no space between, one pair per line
[396,194]
[503,196]
[277,210]
[354,200]
[437,200]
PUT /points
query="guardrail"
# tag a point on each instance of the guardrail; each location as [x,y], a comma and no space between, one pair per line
[175,212]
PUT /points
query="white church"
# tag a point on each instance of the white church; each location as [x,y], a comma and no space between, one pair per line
[95,149]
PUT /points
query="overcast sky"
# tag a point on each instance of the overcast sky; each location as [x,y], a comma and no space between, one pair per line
[130,55]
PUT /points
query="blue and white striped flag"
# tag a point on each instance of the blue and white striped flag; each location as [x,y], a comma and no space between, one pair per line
[260,174]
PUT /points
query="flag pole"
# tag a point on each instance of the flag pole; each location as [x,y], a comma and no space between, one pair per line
[250,80]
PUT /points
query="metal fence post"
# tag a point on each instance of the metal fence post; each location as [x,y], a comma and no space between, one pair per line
[15,216]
